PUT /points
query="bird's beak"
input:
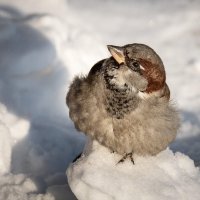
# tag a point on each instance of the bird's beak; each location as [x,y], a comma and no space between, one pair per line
[117,53]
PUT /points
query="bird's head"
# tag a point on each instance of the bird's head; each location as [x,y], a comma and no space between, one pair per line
[137,66]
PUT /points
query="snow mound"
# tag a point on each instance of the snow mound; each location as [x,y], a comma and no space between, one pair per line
[165,176]
[36,139]
[19,187]
[12,128]
[5,149]
[17,127]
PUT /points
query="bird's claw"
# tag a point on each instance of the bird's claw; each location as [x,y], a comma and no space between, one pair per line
[127,155]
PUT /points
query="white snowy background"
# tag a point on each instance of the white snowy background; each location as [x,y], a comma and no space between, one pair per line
[43,44]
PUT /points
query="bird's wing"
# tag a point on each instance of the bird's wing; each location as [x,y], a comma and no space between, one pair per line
[96,68]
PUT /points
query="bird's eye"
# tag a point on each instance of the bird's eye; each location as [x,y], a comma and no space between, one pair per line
[134,65]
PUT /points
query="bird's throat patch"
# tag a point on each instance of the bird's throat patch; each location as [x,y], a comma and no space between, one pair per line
[120,105]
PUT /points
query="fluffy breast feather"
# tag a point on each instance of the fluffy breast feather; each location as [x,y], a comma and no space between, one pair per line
[85,100]
[145,131]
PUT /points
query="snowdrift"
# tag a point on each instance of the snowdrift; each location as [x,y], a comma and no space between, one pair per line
[98,175]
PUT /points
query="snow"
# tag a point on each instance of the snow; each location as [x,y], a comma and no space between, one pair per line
[42,47]
[5,149]
[99,176]
[37,142]
[19,187]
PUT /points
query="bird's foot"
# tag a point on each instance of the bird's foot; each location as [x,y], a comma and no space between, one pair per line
[127,155]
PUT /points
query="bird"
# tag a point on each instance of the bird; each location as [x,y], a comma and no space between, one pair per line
[124,102]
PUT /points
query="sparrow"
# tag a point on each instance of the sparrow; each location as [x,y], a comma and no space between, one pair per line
[124,102]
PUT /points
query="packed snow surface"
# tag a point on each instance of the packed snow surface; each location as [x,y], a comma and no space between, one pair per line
[43,45]
[99,176]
